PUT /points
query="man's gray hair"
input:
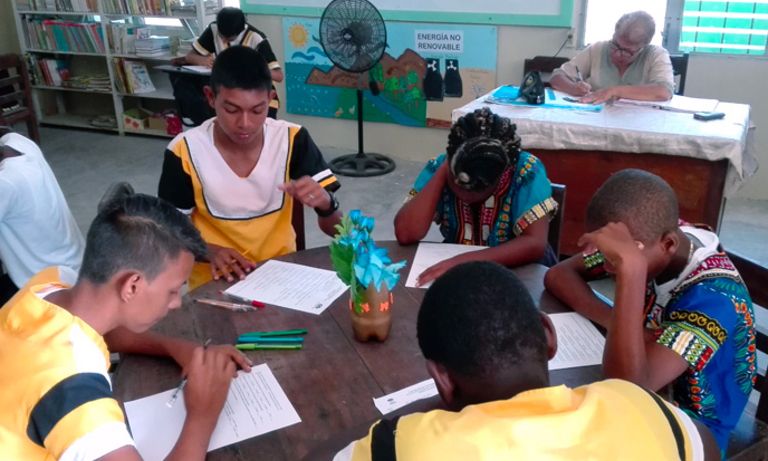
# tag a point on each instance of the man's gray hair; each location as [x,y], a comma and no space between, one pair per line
[637,27]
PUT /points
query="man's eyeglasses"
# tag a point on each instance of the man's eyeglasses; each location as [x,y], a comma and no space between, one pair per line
[625,51]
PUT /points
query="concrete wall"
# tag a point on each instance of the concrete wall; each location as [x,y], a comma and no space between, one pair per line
[733,79]
[8,40]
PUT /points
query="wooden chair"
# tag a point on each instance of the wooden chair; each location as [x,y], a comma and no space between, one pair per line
[544,64]
[749,441]
[679,71]
[15,95]
[556,224]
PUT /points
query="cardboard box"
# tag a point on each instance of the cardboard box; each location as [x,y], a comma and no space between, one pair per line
[135,119]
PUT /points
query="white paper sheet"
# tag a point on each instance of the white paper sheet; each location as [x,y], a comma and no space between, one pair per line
[429,254]
[256,404]
[579,343]
[676,104]
[294,286]
[403,397]
[199,69]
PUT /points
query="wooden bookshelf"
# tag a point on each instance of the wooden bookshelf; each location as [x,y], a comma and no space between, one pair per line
[78,33]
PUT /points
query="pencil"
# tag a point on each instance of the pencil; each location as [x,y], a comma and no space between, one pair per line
[225,304]
[266,347]
[183,382]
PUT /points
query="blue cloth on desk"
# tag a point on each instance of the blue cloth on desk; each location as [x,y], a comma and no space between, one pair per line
[507,95]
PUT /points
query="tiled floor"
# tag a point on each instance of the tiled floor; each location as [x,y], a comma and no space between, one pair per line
[87,162]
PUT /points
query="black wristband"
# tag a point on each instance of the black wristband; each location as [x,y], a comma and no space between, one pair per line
[331,210]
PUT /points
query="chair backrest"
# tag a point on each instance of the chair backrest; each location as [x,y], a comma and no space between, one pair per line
[556,224]
[297,221]
[15,94]
[755,276]
[544,64]
[679,71]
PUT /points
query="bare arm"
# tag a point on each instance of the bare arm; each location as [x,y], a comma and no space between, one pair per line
[415,216]
[562,82]
[197,59]
[277,75]
[526,248]
[567,281]
[654,92]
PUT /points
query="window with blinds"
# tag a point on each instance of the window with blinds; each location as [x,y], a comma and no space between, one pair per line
[733,27]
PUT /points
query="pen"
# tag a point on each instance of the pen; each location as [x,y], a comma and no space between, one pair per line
[266,347]
[578,74]
[297,331]
[225,304]
[270,339]
[183,382]
[250,302]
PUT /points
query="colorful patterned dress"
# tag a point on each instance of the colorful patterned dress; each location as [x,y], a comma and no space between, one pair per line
[523,196]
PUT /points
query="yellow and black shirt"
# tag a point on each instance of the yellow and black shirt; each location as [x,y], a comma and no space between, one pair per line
[212,42]
[57,396]
[249,214]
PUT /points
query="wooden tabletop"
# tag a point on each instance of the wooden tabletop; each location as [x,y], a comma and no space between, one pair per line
[332,381]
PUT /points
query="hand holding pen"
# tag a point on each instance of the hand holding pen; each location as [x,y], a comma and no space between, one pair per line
[183,382]
[580,86]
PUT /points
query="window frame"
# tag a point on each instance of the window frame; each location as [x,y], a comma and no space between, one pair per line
[670,33]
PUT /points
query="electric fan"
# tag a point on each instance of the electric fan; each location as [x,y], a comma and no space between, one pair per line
[353,36]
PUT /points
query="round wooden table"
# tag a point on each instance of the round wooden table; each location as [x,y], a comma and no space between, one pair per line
[331,382]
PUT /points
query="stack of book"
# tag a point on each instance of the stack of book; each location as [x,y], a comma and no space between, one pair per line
[131,77]
[122,37]
[61,35]
[152,47]
[95,82]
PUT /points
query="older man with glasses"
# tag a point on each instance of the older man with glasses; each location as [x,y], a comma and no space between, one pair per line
[627,66]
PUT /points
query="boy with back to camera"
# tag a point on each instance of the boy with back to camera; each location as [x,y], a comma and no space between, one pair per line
[682,316]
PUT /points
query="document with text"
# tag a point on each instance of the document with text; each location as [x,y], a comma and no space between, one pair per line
[256,404]
[579,343]
[429,253]
[398,399]
[289,285]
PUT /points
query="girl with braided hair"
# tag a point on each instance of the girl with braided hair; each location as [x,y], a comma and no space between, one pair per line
[483,191]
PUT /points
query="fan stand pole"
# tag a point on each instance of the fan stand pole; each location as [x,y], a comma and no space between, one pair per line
[362,164]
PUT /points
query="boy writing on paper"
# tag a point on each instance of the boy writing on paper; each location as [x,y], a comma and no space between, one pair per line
[483,191]
[487,347]
[682,315]
[57,399]
[231,29]
[237,175]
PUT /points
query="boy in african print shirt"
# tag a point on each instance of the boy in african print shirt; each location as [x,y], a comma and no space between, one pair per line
[682,316]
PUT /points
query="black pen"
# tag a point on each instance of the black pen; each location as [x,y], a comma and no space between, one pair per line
[183,382]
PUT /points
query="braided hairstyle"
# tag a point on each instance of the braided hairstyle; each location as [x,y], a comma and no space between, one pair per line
[481,146]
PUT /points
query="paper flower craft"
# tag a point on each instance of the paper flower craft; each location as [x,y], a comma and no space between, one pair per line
[358,261]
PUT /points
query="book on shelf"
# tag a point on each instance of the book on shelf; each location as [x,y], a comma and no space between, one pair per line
[153,46]
[62,35]
[57,5]
[132,77]
[139,7]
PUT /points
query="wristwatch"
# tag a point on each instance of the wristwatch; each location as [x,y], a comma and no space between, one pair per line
[334,206]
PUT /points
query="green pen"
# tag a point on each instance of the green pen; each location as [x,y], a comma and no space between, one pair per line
[270,339]
[266,347]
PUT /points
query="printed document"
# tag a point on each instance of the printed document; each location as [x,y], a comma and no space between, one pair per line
[579,343]
[256,404]
[294,286]
[428,254]
[401,398]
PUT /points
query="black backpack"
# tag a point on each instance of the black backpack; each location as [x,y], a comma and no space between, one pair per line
[532,88]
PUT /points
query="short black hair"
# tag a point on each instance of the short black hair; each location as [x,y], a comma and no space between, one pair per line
[481,146]
[478,320]
[230,21]
[644,202]
[240,67]
[137,232]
